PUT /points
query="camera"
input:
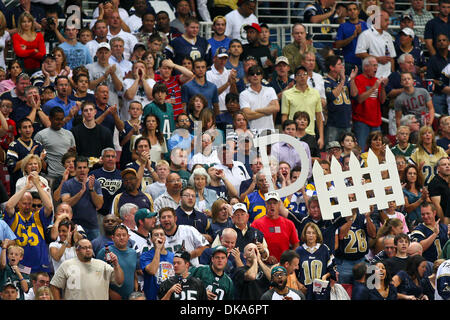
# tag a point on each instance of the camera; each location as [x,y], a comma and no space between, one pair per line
[50,21]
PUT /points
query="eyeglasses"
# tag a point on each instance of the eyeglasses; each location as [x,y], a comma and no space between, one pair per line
[279,275]
[254,73]
[302,74]
[183,120]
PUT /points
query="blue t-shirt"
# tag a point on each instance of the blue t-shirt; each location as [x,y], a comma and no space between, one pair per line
[77,55]
[57,102]
[165,271]
[217,44]
[208,90]
[240,73]
[84,211]
[128,261]
[345,31]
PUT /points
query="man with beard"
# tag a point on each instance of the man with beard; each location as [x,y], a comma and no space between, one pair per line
[280,291]
[182,286]
[219,39]
[128,262]
[253,279]
[94,277]
[131,193]
[181,237]
[157,264]
[219,285]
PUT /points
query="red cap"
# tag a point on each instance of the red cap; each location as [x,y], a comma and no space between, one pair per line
[254,26]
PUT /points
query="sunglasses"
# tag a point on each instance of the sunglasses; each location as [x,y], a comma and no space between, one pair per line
[254,73]
[36,205]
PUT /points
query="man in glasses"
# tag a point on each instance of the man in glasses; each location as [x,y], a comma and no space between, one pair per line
[303,98]
[259,103]
[94,278]
[39,279]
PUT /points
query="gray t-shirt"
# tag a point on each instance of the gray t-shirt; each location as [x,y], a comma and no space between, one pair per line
[96,71]
[414,103]
[56,143]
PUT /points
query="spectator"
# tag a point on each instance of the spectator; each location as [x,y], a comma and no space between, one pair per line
[439,191]
[410,282]
[347,37]
[192,288]
[406,43]
[116,30]
[104,72]
[162,110]
[224,121]
[436,26]
[205,197]
[47,75]
[436,63]
[281,82]
[234,58]
[28,44]
[91,138]
[389,7]
[106,8]
[61,62]
[172,197]
[399,261]
[109,224]
[36,255]
[380,45]
[179,236]
[13,14]
[415,194]
[145,221]
[32,163]
[412,100]
[386,290]
[67,160]
[181,138]
[338,89]
[92,287]
[158,187]
[77,54]
[106,115]
[136,20]
[14,69]
[10,271]
[219,39]
[208,155]
[19,149]
[315,80]
[255,49]
[100,30]
[38,280]
[367,107]
[359,289]
[56,141]
[224,79]
[427,145]
[280,290]
[444,133]
[431,234]
[272,219]
[126,213]
[17,96]
[420,16]
[167,32]
[388,249]
[295,51]
[311,103]
[313,246]
[131,130]
[63,249]
[117,57]
[243,15]
[220,184]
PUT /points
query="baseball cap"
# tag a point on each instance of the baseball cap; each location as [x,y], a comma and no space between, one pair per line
[221,52]
[408,32]
[406,16]
[254,26]
[48,56]
[104,45]
[333,144]
[139,45]
[186,256]
[281,59]
[272,195]
[49,87]
[239,206]
[142,214]
[219,249]
[9,284]
[128,170]
[278,269]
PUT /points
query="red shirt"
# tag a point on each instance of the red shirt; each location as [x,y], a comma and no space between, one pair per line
[31,58]
[174,92]
[279,234]
[9,136]
[368,112]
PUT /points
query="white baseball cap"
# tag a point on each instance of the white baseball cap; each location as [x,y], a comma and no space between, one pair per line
[239,206]
[272,195]
[104,45]
[408,32]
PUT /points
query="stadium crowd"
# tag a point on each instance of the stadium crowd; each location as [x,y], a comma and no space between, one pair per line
[129,169]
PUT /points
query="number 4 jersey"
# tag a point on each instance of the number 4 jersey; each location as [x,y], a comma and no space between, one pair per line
[30,236]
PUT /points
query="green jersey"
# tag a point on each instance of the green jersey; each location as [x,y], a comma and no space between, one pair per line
[222,286]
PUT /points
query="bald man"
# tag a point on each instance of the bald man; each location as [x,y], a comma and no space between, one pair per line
[415,248]
[29,224]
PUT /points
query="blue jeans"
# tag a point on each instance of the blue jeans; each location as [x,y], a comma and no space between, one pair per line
[345,269]
[440,103]
[92,233]
[362,131]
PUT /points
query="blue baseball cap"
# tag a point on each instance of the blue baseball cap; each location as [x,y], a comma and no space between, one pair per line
[221,52]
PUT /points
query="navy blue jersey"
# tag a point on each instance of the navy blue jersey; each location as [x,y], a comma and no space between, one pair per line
[316,9]
[180,48]
[111,183]
[422,232]
[314,264]
[125,157]
[18,150]
[354,246]
[147,178]
[340,107]
[196,219]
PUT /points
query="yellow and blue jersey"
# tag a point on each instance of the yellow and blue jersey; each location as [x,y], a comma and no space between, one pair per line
[256,205]
[30,236]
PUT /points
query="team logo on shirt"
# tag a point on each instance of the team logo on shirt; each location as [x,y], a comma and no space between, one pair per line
[112,186]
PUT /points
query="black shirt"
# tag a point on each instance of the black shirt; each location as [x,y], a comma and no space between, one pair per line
[439,187]
[250,289]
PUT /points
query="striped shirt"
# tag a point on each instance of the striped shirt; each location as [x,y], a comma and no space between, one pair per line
[419,20]
[165,200]
[174,92]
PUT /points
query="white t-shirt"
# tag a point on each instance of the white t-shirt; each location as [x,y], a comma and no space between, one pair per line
[3,39]
[192,240]
[122,13]
[129,42]
[236,23]
[291,294]
[219,79]
[249,98]
[372,42]
[92,47]
[134,23]
[69,253]
[140,96]
[157,151]
[203,159]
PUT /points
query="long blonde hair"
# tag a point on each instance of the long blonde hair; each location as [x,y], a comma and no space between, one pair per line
[2,24]
[21,18]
